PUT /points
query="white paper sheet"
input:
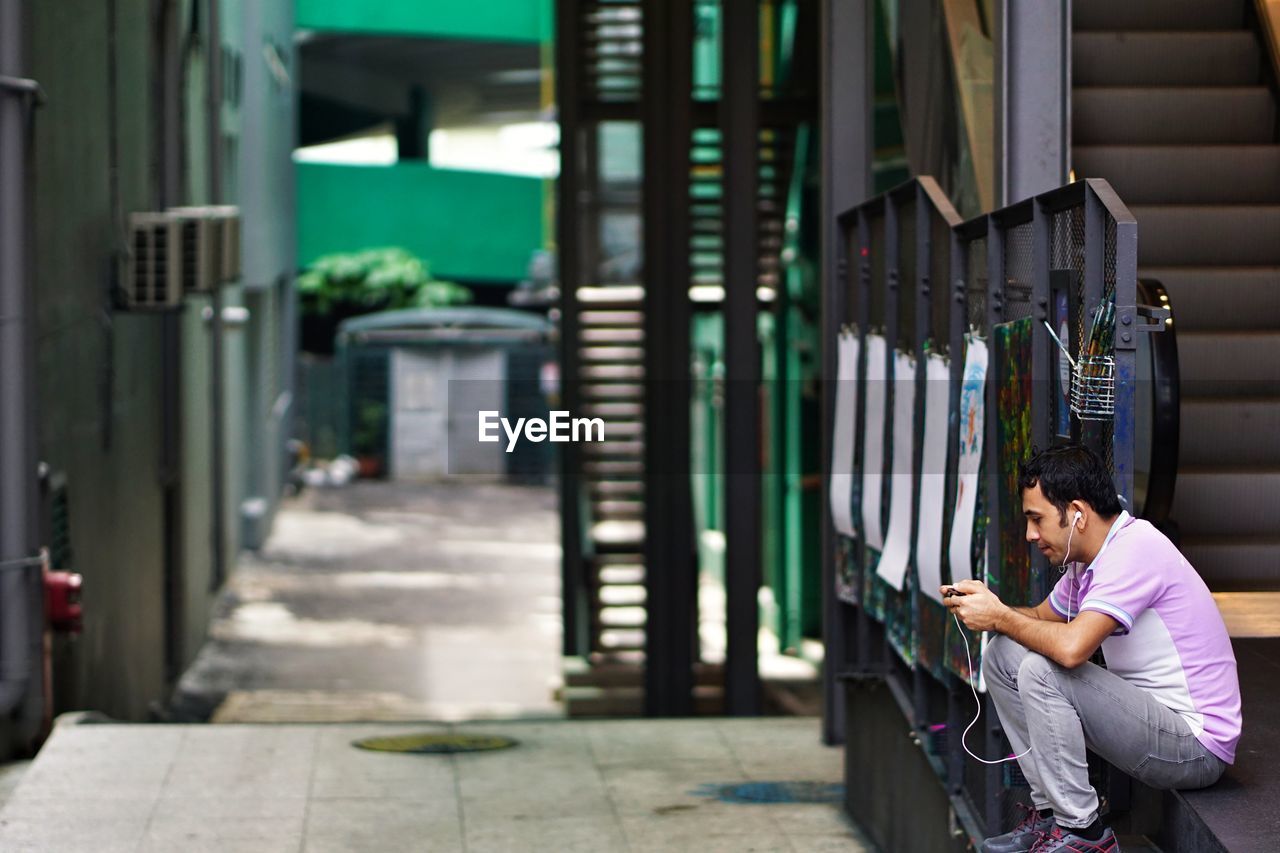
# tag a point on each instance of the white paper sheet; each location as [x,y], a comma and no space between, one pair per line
[846,417]
[933,475]
[897,542]
[873,443]
[972,427]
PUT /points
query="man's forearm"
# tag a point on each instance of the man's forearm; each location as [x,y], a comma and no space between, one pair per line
[1054,640]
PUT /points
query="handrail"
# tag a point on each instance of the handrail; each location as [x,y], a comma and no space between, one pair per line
[1269,17]
[1165,427]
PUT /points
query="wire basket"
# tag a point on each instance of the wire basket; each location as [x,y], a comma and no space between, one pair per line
[1093,388]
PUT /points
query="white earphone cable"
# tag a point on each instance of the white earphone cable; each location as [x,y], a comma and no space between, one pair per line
[973,682]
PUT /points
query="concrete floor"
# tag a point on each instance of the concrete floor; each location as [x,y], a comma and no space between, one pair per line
[389,601]
[637,785]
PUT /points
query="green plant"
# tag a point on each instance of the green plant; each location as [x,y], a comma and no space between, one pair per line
[369,438]
[374,280]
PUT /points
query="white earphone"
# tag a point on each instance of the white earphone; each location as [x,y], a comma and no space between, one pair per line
[1066,557]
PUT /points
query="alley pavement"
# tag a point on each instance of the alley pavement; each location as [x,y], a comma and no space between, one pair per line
[389,601]
[598,786]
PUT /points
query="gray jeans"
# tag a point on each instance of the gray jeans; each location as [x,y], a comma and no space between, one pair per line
[1059,712]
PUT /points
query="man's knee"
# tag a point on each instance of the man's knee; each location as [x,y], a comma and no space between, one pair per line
[1033,669]
[1002,659]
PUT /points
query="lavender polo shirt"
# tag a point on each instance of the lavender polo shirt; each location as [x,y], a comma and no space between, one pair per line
[1171,640]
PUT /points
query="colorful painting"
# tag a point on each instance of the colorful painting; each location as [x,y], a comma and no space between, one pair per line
[1012,580]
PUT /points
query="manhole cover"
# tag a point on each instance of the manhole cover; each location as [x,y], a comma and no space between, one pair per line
[435,743]
[774,792]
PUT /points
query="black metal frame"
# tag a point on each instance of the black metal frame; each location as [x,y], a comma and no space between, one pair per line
[1105,259]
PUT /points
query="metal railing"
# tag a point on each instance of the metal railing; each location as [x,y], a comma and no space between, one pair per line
[912,272]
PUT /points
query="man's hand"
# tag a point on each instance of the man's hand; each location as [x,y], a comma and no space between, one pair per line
[979,608]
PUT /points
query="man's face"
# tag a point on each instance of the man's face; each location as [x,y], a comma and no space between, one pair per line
[1046,527]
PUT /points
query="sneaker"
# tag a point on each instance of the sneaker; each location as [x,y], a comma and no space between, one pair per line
[1023,836]
[1058,840]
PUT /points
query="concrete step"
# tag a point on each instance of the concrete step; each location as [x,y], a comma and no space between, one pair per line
[1172,115]
[611,372]
[1157,14]
[620,595]
[610,355]
[619,296]
[621,616]
[621,575]
[1220,297]
[1225,502]
[620,391]
[1229,364]
[1230,432]
[1206,235]
[1184,174]
[611,336]
[598,318]
[614,411]
[618,488]
[1235,563]
[618,510]
[1206,58]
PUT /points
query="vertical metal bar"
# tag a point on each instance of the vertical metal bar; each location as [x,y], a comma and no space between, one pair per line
[1043,362]
[739,133]
[1095,240]
[862,300]
[1033,95]
[217,396]
[670,560]
[923,314]
[20,626]
[573,591]
[169,151]
[995,315]
[892,285]
[845,46]
[1126,338]
[959,275]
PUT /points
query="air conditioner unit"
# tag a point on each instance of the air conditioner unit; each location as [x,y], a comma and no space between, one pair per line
[152,277]
[229,216]
[200,230]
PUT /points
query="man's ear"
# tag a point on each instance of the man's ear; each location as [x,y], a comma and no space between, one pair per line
[1078,514]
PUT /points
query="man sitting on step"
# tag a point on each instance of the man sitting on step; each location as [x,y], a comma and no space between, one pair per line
[1166,709]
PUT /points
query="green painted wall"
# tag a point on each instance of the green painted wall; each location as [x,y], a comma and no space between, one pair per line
[499,20]
[466,225]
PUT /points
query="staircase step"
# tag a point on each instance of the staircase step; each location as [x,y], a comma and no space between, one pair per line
[621,595]
[1172,115]
[1229,364]
[611,336]
[618,488]
[1184,174]
[1220,297]
[1253,427]
[614,410]
[1222,502]
[1235,563]
[1157,14]
[597,318]
[618,510]
[606,354]
[620,391]
[621,575]
[619,296]
[1236,234]
[607,372]
[1205,58]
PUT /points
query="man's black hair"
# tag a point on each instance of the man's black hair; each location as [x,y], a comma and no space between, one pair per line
[1070,471]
